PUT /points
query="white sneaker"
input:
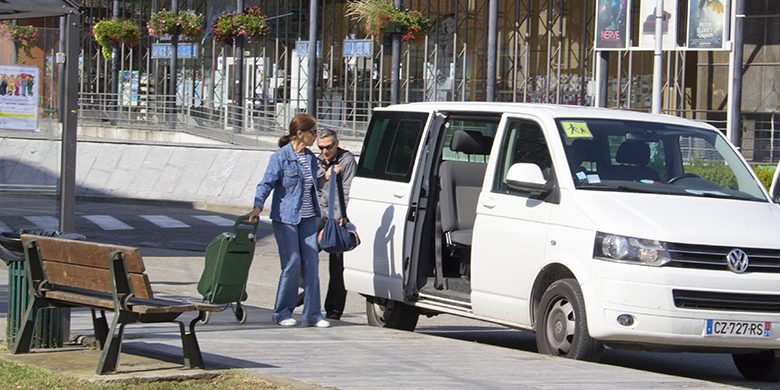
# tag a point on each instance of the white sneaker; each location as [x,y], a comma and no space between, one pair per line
[288,322]
[322,324]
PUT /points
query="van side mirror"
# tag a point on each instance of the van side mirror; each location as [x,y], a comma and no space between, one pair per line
[528,177]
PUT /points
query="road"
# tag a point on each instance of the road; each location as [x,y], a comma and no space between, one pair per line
[174,237]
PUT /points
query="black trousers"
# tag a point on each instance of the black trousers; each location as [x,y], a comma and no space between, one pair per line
[337,294]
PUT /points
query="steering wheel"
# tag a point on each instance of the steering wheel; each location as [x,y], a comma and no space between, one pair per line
[683,176]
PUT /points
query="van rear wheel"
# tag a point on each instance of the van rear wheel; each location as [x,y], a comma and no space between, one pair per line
[759,366]
[562,326]
[386,313]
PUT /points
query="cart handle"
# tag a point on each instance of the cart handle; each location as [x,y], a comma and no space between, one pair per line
[244,221]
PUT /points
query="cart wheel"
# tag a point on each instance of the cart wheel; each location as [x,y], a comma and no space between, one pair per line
[240,314]
[206,318]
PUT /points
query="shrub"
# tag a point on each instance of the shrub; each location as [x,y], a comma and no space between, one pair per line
[23,36]
[378,15]
[110,31]
[251,24]
[188,23]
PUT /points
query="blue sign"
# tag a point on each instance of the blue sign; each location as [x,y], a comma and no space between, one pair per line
[183,51]
[302,49]
[358,48]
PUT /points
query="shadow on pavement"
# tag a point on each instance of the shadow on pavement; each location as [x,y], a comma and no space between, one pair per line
[172,354]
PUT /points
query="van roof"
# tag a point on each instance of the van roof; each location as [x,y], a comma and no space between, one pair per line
[544,110]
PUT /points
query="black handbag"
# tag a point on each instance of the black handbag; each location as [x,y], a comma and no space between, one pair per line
[337,236]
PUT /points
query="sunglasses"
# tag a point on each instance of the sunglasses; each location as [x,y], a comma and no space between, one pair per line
[326,147]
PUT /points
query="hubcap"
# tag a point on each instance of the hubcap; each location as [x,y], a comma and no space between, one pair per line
[560,326]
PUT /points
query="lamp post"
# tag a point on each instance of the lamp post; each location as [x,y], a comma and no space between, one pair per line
[238,83]
[658,56]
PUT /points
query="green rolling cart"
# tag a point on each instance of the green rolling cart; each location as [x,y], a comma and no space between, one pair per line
[228,259]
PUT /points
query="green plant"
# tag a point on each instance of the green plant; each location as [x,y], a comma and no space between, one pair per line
[23,36]
[110,31]
[378,15]
[191,23]
[165,22]
[251,24]
[765,173]
[715,172]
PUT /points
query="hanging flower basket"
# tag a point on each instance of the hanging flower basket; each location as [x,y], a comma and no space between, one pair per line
[251,24]
[110,31]
[381,16]
[23,36]
[187,23]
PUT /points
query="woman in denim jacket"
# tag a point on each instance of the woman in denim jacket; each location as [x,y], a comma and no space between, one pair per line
[291,174]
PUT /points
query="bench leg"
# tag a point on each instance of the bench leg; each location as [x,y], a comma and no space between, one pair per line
[189,343]
[109,353]
[24,336]
[100,325]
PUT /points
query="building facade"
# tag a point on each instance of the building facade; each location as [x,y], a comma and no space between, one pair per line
[545,53]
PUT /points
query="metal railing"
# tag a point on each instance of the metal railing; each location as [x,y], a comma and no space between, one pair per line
[259,121]
[219,121]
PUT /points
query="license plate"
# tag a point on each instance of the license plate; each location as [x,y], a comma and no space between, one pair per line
[728,328]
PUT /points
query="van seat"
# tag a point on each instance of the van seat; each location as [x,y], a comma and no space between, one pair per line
[633,157]
[461,183]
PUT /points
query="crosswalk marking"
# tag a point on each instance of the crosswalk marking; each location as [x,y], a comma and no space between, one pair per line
[107,222]
[165,221]
[44,222]
[215,219]
[4,227]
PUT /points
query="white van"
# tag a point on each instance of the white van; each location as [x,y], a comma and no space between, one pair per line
[591,227]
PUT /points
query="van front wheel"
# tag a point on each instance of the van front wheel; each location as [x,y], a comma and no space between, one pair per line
[562,326]
[759,366]
[386,313]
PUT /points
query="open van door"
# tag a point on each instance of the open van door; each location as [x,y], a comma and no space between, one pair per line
[774,190]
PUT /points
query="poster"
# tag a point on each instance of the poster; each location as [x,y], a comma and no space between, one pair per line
[706,21]
[18,97]
[647,24]
[129,82]
[612,24]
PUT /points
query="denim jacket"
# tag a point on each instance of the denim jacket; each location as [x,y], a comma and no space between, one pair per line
[284,176]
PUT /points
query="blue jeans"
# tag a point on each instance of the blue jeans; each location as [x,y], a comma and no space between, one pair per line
[298,251]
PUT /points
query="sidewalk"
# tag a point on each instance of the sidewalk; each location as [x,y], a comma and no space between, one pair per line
[354,356]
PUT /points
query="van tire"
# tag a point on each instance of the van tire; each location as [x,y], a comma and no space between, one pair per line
[562,326]
[386,313]
[759,366]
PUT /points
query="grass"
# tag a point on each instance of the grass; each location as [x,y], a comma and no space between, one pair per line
[21,376]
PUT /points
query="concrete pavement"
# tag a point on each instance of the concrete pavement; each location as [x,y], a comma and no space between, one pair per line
[351,355]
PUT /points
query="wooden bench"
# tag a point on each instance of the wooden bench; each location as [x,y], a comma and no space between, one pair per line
[102,277]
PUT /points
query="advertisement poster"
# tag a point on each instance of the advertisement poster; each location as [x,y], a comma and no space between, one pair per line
[647,24]
[706,21]
[129,81]
[612,24]
[18,97]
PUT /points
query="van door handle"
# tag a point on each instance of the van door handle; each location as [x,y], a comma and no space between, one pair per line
[489,203]
[399,193]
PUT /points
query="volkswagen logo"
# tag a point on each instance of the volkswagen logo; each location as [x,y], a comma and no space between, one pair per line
[737,260]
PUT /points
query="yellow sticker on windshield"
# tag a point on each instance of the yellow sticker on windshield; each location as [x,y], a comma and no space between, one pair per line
[576,129]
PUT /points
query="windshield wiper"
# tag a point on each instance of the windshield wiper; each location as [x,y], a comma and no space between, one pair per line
[719,195]
[621,188]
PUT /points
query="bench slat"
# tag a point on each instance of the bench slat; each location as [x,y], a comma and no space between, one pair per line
[80,299]
[86,253]
[91,278]
[140,306]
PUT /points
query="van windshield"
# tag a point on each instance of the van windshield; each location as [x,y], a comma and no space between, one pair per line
[633,156]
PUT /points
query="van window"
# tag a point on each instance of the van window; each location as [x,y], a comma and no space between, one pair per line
[523,142]
[485,127]
[650,157]
[390,146]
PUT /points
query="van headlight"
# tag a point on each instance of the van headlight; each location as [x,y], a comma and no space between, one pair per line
[630,250]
